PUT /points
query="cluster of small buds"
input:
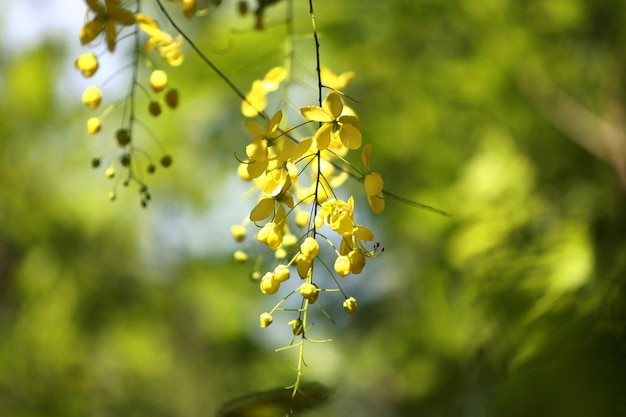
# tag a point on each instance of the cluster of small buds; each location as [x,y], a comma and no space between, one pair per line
[110,20]
[297,178]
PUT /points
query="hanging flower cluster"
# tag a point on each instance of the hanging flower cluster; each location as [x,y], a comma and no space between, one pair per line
[112,21]
[299,216]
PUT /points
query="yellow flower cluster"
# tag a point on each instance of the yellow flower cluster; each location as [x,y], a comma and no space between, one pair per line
[106,19]
[276,159]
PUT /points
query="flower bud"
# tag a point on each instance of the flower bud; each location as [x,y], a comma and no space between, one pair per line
[309,248]
[281,273]
[87,63]
[350,305]
[268,284]
[342,265]
[309,292]
[238,232]
[297,327]
[266,319]
[93,125]
[92,97]
[171,98]
[154,108]
[158,80]
[122,136]
[240,256]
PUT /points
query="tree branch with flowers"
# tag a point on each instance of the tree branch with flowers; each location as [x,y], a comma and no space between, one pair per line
[296,165]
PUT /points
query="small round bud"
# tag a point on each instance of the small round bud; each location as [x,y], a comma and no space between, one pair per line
[151,168]
[172,98]
[238,232]
[125,160]
[87,63]
[158,80]
[95,162]
[93,125]
[266,319]
[309,292]
[240,257]
[342,265]
[166,161]
[309,248]
[350,305]
[112,196]
[122,136]
[281,273]
[268,284]
[92,97]
[110,172]
[154,108]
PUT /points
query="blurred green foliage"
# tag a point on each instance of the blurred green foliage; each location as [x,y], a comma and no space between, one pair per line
[509,114]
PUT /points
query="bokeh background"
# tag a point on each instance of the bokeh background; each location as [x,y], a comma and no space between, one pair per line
[511,115]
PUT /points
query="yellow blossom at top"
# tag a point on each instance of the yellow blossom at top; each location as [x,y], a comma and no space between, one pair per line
[168,47]
[256,99]
[108,15]
[339,215]
[334,125]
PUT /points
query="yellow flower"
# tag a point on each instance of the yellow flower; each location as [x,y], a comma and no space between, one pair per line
[266,319]
[373,182]
[169,49]
[333,81]
[350,305]
[256,99]
[334,125]
[93,125]
[158,80]
[108,15]
[87,63]
[92,97]
[339,216]
[342,265]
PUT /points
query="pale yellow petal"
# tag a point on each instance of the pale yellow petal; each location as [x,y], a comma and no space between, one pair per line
[262,210]
[315,113]
[333,105]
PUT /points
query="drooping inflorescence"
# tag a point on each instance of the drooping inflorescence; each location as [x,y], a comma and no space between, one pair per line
[296,160]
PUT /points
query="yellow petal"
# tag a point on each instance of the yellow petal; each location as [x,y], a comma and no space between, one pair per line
[376,202]
[123,17]
[323,136]
[333,105]
[273,78]
[373,184]
[350,136]
[91,30]
[365,155]
[262,210]
[148,25]
[316,114]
